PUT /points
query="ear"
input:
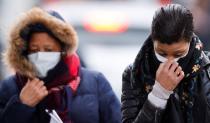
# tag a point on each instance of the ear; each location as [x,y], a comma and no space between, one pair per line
[63,54]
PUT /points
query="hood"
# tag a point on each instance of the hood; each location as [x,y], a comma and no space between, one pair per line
[13,56]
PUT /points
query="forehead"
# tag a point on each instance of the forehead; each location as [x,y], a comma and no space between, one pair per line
[178,46]
[42,38]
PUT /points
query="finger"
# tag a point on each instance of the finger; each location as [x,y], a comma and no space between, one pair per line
[35,81]
[45,92]
[28,81]
[181,76]
[161,66]
[29,84]
[43,88]
[41,94]
[168,64]
[40,84]
[174,67]
[178,71]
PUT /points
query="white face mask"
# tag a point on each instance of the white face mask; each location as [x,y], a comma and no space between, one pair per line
[44,61]
[163,59]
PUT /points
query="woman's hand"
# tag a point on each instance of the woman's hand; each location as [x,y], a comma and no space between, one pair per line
[169,74]
[33,92]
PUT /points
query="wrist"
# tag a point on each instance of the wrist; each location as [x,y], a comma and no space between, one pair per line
[160,92]
[25,102]
[156,101]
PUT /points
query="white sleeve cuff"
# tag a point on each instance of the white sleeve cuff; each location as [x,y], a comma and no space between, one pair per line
[157,102]
[159,95]
[160,91]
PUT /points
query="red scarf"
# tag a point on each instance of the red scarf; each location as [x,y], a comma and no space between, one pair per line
[66,76]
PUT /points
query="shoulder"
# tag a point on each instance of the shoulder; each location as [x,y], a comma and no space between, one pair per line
[126,77]
[204,76]
[91,74]
[9,82]
[129,88]
[207,53]
[206,63]
[87,72]
[205,58]
[127,72]
[94,79]
[8,87]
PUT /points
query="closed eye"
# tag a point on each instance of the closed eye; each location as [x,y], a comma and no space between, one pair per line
[33,50]
[177,56]
[48,50]
[163,54]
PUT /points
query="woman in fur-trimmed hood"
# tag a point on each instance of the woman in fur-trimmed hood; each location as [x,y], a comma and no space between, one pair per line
[48,78]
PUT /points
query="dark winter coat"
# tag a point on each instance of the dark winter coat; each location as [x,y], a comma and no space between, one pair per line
[94,102]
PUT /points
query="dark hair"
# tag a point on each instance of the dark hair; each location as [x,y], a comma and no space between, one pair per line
[172,23]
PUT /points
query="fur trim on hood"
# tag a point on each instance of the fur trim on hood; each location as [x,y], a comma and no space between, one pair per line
[62,30]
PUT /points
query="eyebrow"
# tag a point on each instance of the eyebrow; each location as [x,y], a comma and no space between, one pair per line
[32,45]
[48,46]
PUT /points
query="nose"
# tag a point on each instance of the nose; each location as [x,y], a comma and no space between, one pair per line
[41,49]
[171,58]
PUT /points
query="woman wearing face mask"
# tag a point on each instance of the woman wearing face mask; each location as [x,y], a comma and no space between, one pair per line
[48,81]
[169,81]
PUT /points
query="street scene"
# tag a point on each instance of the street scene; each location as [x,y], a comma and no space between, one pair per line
[104,61]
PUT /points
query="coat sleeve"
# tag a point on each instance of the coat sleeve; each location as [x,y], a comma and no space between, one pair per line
[11,108]
[131,99]
[108,102]
[205,79]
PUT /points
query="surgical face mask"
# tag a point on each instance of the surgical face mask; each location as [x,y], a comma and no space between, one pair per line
[163,59]
[44,61]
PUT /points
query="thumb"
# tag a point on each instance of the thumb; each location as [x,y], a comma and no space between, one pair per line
[181,76]
[28,81]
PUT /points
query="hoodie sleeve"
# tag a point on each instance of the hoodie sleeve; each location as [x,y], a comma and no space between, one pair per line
[108,102]
[11,108]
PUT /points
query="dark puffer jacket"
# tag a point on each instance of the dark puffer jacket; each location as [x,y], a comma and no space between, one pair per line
[94,102]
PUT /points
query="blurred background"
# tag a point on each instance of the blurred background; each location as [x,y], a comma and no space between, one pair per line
[110,32]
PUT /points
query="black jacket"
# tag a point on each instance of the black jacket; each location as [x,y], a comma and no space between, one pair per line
[133,112]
